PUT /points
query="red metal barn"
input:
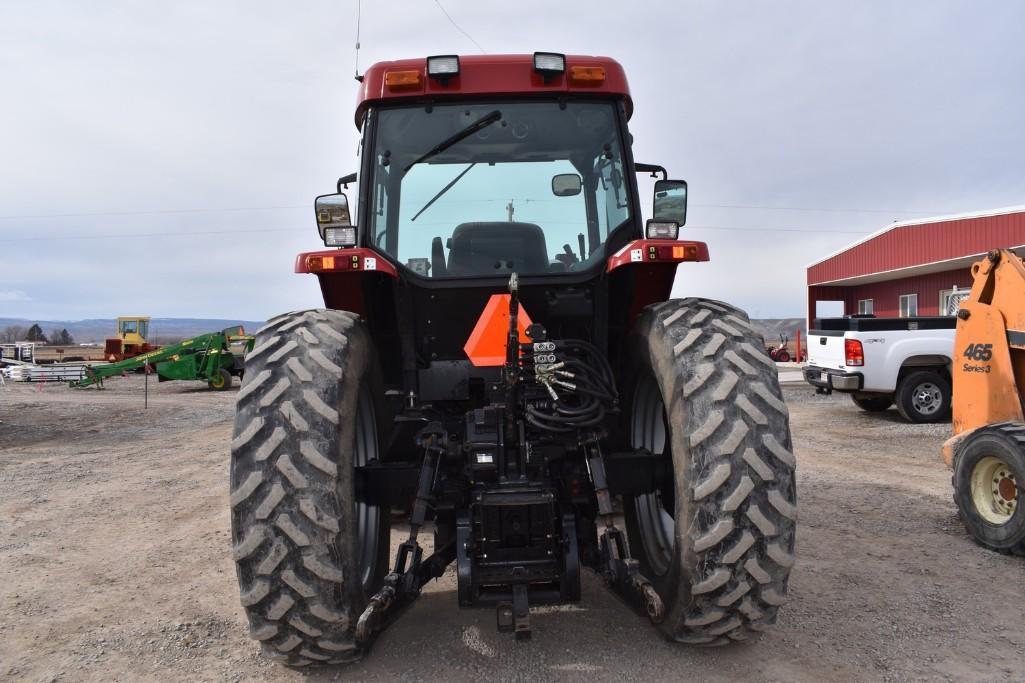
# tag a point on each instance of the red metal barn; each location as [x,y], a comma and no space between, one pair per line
[918,267]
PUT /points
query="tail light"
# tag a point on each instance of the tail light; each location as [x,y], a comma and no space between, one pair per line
[854,354]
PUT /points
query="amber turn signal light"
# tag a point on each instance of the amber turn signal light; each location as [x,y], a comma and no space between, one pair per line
[398,80]
[587,75]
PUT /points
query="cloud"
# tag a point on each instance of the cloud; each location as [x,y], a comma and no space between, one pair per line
[10,295]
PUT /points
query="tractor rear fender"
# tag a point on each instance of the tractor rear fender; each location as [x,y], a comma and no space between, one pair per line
[652,263]
[338,271]
[646,270]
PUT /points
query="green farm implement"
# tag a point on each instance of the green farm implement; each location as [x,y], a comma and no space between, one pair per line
[207,357]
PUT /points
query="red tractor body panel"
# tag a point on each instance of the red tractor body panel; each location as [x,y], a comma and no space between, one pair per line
[490,76]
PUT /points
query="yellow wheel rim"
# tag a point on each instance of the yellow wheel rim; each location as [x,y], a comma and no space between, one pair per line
[994,490]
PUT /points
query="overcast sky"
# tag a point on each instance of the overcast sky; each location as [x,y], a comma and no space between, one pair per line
[229,117]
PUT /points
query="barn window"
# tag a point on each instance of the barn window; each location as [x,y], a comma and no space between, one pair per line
[908,305]
[865,307]
[950,300]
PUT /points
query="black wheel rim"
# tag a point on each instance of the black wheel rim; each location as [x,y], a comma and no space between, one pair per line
[654,512]
[368,517]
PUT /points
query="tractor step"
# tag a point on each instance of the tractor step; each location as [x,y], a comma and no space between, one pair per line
[620,571]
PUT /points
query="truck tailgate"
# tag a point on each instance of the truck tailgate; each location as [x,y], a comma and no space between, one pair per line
[826,350]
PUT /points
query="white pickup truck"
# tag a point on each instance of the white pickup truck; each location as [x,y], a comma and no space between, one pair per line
[882,361]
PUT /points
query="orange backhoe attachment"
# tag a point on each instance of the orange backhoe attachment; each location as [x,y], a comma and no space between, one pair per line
[987,450]
[989,348]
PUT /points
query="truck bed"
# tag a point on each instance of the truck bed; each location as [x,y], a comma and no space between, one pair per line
[835,327]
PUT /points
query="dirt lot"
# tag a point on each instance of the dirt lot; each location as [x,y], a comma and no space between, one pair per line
[115,563]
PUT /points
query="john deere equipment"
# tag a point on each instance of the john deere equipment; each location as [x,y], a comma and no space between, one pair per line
[207,357]
[499,356]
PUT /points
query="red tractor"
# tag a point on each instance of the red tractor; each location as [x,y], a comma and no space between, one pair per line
[780,353]
[498,355]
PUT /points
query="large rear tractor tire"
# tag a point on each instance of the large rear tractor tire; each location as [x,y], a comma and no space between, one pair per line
[308,555]
[717,541]
[989,486]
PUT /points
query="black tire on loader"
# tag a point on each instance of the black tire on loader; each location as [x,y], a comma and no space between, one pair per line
[873,404]
[707,396]
[989,486]
[308,556]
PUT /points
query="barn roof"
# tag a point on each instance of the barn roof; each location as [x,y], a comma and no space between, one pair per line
[921,246]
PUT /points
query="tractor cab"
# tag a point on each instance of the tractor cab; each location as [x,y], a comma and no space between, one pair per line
[475,171]
[133,329]
[130,340]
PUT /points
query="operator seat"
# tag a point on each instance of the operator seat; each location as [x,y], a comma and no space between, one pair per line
[484,248]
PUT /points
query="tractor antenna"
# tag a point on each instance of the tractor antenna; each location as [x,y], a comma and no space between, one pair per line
[359,12]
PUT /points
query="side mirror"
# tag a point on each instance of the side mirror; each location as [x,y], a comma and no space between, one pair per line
[333,220]
[566,185]
[670,201]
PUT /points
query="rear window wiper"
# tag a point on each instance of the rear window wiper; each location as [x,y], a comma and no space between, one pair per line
[443,191]
[477,125]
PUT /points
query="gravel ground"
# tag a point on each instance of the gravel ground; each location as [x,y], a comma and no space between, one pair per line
[115,563]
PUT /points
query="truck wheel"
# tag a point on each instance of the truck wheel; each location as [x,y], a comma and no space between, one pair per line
[307,553]
[989,478]
[872,404]
[717,538]
[924,396]
[221,381]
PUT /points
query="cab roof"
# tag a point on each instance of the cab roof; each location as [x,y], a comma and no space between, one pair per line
[489,75]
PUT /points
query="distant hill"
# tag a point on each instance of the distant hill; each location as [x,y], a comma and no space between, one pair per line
[161,329]
[771,328]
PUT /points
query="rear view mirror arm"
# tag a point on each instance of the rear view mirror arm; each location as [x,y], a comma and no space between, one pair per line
[344,181]
[653,169]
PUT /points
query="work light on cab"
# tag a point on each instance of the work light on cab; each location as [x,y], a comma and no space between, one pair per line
[340,237]
[549,63]
[662,230]
[443,67]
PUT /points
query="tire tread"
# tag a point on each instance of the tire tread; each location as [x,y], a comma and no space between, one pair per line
[286,517]
[742,470]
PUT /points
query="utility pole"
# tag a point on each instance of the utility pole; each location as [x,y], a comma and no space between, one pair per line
[509,207]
